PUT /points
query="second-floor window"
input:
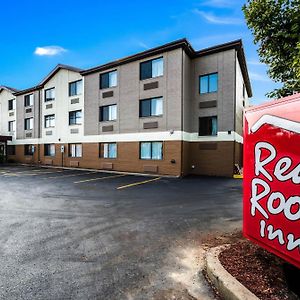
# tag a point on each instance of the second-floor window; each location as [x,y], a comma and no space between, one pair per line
[12,126]
[12,104]
[208,126]
[50,94]
[28,100]
[108,79]
[208,83]
[28,125]
[151,107]
[75,88]
[49,121]
[152,68]
[75,117]
[108,113]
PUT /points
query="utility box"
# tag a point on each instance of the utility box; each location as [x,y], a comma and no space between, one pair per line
[271,210]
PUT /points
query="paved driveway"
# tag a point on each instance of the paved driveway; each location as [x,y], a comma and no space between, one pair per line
[85,235]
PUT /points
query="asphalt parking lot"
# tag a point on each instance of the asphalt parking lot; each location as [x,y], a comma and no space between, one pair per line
[72,234]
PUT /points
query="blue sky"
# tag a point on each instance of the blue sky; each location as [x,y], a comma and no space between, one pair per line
[37,35]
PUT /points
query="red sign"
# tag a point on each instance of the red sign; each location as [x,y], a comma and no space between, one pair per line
[272,177]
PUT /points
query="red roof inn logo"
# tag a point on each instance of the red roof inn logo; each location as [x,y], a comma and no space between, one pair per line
[272,177]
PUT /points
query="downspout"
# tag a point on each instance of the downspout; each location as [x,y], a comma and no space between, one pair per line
[234,122]
[182,116]
[39,128]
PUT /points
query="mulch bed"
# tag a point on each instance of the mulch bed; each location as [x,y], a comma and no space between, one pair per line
[263,273]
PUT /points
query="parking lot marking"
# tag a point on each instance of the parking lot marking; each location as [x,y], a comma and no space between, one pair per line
[137,183]
[100,178]
[72,175]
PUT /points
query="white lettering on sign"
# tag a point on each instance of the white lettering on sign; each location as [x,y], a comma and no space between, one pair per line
[275,202]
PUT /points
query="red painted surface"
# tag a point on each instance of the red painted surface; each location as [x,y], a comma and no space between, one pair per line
[272,177]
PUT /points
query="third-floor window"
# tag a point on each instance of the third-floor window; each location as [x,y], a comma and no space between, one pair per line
[75,117]
[75,88]
[28,100]
[50,94]
[12,104]
[209,83]
[28,124]
[108,79]
[152,68]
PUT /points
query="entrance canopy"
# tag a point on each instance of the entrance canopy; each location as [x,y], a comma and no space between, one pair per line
[4,138]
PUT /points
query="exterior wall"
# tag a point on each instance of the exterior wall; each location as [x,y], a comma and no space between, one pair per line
[22,115]
[129,91]
[60,107]
[5,114]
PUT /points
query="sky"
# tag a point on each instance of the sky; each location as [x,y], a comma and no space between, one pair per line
[38,35]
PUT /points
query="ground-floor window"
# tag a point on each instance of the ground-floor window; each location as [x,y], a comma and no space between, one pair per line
[49,149]
[28,149]
[75,150]
[151,150]
[11,150]
[108,150]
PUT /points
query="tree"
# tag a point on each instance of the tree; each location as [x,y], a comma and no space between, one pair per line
[275,25]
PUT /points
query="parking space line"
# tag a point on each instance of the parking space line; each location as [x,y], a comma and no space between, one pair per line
[100,178]
[137,183]
[72,175]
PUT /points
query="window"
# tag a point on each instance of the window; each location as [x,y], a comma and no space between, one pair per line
[28,100]
[75,150]
[209,83]
[108,113]
[151,150]
[108,79]
[152,68]
[108,150]
[12,104]
[49,121]
[12,126]
[75,88]
[49,149]
[11,150]
[28,124]
[28,149]
[208,126]
[50,94]
[75,117]
[151,107]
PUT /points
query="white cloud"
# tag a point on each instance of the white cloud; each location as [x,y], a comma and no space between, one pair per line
[49,50]
[259,77]
[218,3]
[143,45]
[211,18]
[254,62]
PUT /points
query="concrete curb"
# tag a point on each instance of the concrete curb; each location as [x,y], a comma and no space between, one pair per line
[228,287]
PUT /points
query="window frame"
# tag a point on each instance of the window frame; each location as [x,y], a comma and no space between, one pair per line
[31,118]
[76,154]
[151,150]
[148,62]
[26,147]
[151,113]
[76,93]
[109,82]
[208,83]
[207,118]
[29,96]
[45,95]
[72,112]
[13,101]
[101,114]
[49,153]
[9,150]
[14,126]
[45,121]
[102,150]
